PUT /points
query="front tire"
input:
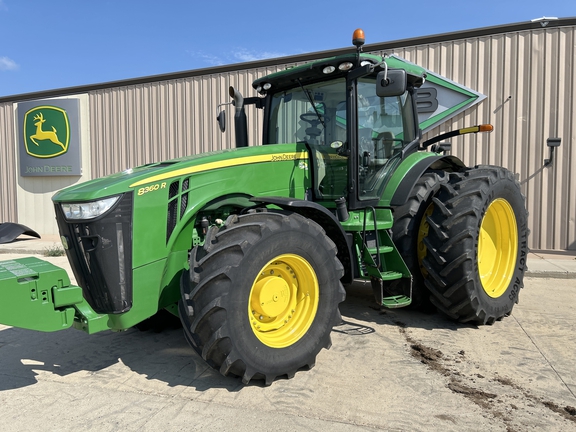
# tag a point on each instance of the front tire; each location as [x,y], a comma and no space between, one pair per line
[477,245]
[262,295]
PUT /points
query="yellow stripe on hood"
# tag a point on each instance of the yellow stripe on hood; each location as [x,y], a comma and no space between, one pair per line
[274,157]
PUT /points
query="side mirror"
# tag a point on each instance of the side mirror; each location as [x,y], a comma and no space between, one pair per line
[391,83]
[221,117]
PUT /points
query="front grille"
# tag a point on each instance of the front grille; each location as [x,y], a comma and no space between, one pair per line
[177,204]
[100,253]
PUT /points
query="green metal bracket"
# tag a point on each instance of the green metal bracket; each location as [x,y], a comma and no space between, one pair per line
[89,321]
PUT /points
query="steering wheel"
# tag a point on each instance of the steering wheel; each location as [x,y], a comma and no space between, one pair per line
[312,118]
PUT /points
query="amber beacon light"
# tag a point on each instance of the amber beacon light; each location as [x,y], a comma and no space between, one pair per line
[358,38]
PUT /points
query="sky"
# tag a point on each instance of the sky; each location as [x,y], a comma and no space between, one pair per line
[52,44]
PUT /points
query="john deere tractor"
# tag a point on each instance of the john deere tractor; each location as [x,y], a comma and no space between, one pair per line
[251,246]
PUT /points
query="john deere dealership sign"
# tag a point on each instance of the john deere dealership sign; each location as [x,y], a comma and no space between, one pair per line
[49,137]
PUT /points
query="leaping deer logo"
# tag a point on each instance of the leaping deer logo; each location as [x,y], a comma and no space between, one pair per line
[44,135]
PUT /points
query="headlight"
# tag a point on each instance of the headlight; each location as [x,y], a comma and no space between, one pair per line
[329,69]
[345,66]
[88,210]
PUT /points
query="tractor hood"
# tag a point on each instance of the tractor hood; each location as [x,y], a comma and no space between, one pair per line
[154,173]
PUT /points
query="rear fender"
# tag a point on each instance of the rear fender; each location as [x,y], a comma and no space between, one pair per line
[10,230]
[405,186]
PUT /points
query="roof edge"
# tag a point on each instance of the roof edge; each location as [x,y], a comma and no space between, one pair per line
[380,46]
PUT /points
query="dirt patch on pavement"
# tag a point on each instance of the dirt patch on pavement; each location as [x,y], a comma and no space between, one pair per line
[498,396]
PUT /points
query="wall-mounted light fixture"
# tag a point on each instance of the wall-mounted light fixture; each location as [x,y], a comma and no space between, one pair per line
[551,143]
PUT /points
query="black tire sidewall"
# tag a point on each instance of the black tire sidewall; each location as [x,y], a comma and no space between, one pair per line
[406,229]
[502,305]
[453,240]
[238,325]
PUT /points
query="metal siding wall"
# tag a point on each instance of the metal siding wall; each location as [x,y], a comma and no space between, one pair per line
[8,165]
[153,122]
[528,77]
[565,218]
[147,123]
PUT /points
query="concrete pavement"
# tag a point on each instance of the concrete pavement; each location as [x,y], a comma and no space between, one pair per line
[394,370]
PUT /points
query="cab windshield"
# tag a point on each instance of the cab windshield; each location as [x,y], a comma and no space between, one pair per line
[316,114]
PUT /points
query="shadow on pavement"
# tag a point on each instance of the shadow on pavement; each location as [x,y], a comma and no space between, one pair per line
[165,356]
[360,305]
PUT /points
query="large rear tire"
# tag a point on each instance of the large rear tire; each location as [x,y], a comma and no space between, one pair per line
[477,245]
[262,295]
[409,229]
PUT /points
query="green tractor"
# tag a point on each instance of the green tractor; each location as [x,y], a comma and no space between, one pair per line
[251,246]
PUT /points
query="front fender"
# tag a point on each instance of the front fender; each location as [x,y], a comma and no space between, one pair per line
[326,219]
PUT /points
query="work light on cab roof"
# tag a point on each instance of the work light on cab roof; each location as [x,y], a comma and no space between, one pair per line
[358,40]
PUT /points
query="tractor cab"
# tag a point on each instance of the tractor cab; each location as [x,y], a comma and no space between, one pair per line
[355,137]
[356,115]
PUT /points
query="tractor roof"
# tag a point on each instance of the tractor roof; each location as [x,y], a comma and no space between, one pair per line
[320,70]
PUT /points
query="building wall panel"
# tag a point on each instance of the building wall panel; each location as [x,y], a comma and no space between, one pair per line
[147,123]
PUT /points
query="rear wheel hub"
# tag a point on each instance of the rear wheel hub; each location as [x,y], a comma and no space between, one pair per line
[497,247]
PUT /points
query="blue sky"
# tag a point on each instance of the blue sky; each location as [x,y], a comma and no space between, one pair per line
[49,44]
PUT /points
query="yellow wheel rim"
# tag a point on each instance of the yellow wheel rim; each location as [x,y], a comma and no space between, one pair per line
[283,301]
[497,247]
[422,234]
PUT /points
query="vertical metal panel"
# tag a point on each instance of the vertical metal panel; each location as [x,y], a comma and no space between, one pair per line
[565,218]
[8,165]
[158,121]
